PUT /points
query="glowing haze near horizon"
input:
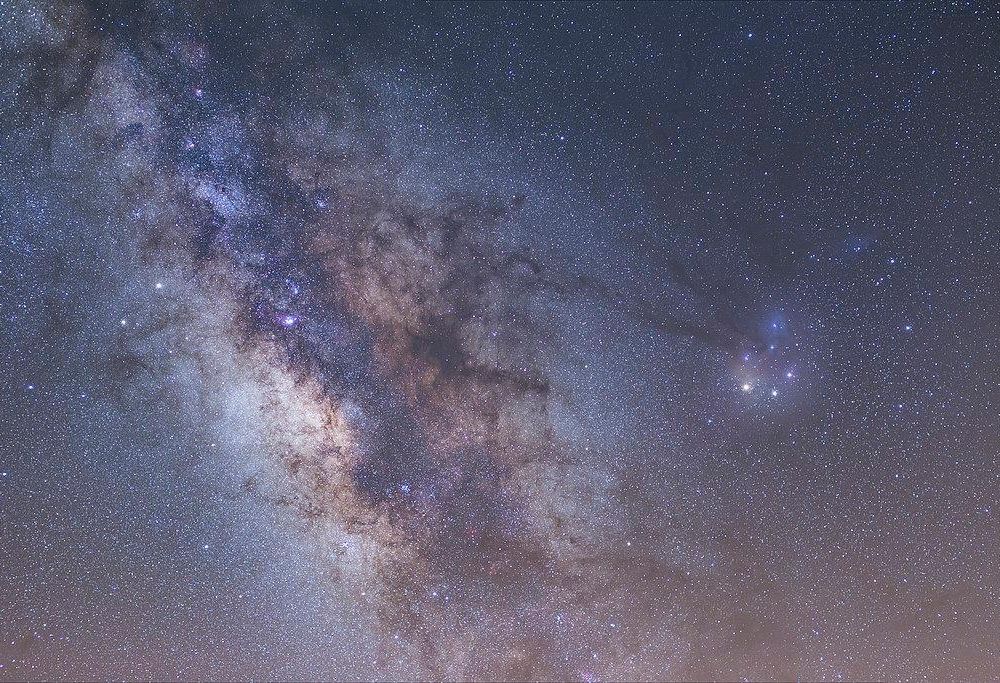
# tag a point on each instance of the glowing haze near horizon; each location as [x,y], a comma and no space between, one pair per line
[544,342]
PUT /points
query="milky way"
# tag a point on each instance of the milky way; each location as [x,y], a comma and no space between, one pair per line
[499,342]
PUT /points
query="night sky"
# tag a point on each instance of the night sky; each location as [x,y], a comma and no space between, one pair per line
[499,341]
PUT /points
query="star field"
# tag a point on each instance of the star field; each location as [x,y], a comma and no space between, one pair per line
[496,341]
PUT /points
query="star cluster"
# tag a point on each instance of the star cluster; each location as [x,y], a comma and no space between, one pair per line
[499,341]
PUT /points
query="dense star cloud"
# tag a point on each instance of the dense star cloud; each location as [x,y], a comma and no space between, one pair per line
[499,342]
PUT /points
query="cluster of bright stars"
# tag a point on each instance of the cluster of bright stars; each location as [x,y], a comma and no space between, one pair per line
[747,386]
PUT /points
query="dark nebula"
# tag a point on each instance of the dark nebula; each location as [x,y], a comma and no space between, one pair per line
[499,341]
